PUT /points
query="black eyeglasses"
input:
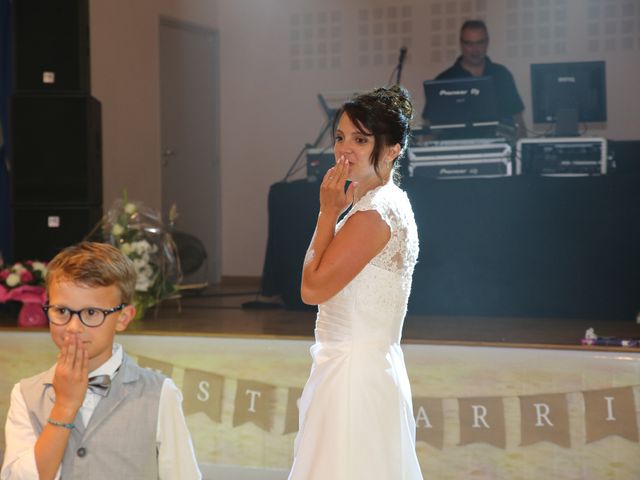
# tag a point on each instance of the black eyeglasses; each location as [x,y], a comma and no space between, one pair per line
[90,316]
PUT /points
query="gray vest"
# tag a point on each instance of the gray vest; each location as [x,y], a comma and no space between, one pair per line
[120,440]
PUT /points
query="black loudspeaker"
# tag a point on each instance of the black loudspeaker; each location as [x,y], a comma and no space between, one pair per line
[41,232]
[55,150]
[624,155]
[51,46]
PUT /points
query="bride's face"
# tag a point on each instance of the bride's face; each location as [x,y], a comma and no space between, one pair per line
[356,147]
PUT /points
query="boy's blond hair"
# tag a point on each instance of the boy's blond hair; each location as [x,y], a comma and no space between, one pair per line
[94,264]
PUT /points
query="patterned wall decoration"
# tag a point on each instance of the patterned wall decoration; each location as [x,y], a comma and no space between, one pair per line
[382,31]
[315,40]
[319,40]
[536,28]
[613,25]
[444,21]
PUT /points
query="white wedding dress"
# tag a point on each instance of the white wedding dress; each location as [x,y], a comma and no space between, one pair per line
[356,418]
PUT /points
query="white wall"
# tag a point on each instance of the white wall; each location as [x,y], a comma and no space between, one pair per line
[125,78]
[273,65]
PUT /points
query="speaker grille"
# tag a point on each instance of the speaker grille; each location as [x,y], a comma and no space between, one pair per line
[41,232]
[51,36]
[56,150]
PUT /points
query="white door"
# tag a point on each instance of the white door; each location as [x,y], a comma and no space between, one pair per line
[189,103]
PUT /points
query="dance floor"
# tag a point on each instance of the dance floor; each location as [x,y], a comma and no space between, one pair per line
[241,371]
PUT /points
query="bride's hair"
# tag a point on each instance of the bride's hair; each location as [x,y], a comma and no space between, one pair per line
[386,114]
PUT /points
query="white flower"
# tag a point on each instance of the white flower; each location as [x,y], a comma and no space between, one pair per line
[126,248]
[139,264]
[148,271]
[130,208]
[142,284]
[39,266]
[141,247]
[18,267]
[144,280]
[117,230]
[13,279]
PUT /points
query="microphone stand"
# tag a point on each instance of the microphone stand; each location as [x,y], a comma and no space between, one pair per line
[320,136]
[403,54]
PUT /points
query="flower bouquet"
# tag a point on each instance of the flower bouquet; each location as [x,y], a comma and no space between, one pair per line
[24,282]
[139,233]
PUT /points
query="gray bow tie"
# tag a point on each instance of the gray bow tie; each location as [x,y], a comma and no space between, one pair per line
[100,384]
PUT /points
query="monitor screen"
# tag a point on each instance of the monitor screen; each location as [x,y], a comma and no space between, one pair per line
[575,87]
[461,103]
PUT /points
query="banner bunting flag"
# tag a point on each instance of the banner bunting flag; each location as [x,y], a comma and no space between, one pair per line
[610,412]
[202,392]
[254,403]
[482,420]
[544,417]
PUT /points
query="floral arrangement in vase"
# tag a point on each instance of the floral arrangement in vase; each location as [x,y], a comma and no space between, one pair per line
[139,233]
[24,282]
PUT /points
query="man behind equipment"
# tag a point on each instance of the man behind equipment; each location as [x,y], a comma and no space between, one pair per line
[474,62]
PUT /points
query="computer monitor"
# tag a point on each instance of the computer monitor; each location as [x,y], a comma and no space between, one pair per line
[569,93]
[462,104]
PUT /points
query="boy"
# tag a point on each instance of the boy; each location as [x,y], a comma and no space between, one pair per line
[95,414]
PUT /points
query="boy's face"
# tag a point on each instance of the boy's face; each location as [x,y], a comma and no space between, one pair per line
[97,340]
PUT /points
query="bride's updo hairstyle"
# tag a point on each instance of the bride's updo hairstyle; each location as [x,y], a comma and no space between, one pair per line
[384,113]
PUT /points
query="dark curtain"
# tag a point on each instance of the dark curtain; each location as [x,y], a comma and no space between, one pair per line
[5,89]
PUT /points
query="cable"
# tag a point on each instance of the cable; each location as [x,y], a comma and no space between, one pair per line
[395,69]
[535,134]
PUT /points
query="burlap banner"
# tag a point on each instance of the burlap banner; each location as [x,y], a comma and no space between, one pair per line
[156,365]
[254,403]
[202,392]
[610,412]
[544,418]
[482,420]
[429,421]
[291,418]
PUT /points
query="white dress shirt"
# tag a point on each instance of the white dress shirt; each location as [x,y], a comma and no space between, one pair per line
[176,457]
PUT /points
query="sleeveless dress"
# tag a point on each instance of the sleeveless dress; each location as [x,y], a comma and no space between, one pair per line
[356,416]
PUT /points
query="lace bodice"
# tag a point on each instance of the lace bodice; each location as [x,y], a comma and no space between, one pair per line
[401,251]
[373,305]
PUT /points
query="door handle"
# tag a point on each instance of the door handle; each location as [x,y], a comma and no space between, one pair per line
[166,153]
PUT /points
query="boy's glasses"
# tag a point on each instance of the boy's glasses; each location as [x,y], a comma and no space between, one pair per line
[90,316]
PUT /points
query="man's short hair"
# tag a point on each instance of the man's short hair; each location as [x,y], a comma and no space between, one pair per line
[94,264]
[474,25]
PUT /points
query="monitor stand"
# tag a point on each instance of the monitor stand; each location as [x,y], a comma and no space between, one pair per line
[566,122]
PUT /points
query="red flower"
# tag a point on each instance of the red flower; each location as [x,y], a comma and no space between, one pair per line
[4,274]
[26,276]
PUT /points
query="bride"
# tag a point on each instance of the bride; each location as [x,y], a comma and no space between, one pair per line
[356,418]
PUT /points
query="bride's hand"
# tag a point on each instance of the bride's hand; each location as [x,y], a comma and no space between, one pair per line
[333,198]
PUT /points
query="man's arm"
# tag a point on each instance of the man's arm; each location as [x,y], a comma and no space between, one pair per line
[521,128]
[176,457]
